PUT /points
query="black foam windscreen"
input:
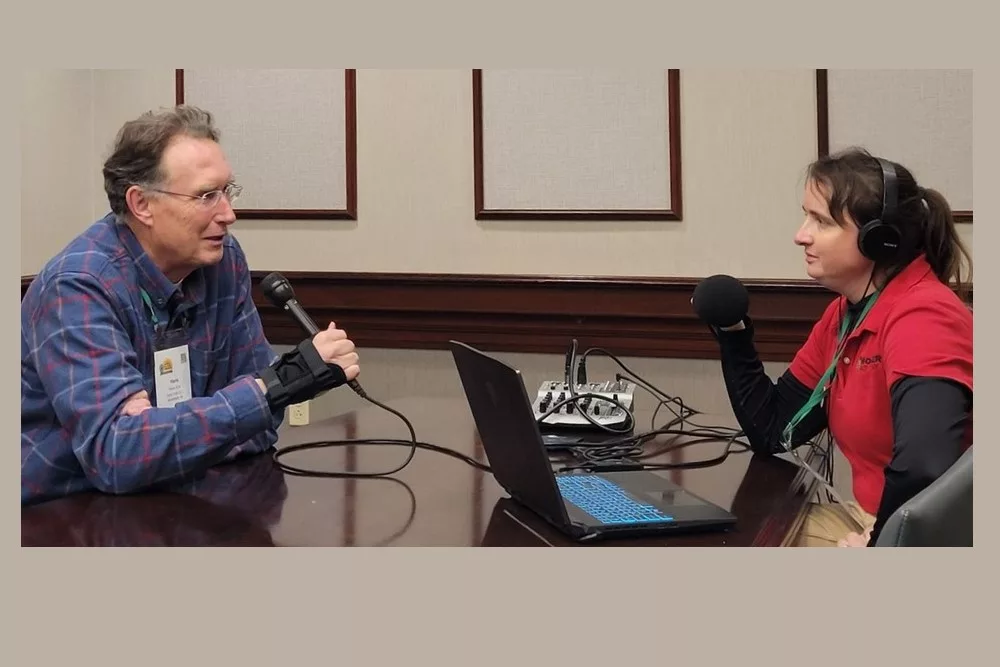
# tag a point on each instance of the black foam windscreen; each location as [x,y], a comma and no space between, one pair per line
[277,289]
[721,300]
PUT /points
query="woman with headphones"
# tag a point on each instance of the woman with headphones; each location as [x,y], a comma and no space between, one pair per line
[888,367]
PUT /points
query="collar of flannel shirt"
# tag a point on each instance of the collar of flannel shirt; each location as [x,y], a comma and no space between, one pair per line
[161,290]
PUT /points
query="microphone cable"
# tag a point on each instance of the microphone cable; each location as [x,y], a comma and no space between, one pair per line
[280,293]
[628,452]
[413,443]
[321,444]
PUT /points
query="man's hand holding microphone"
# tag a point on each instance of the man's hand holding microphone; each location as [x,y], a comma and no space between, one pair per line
[325,360]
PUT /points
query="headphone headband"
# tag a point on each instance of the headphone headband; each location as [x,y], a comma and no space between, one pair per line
[879,239]
[890,197]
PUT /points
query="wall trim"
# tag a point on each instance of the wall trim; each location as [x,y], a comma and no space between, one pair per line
[630,316]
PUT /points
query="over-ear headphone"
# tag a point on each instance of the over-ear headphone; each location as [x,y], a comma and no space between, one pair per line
[880,239]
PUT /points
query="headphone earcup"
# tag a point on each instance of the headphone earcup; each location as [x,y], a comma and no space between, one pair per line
[878,241]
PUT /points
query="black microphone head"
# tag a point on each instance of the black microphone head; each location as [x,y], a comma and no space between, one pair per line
[277,289]
[721,300]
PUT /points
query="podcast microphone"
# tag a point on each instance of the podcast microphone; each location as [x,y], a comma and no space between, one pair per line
[721,300]
[279,292]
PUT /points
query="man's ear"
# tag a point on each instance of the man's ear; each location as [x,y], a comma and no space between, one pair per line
[139,205]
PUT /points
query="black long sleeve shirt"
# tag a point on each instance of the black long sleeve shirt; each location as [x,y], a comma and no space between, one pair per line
[928,415]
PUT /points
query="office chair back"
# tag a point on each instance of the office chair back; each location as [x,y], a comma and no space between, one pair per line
[938,516]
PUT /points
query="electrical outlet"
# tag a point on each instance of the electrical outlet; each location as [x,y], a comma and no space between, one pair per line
[298,414]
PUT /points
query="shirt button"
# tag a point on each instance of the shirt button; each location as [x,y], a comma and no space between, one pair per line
[847,360]
[159,302]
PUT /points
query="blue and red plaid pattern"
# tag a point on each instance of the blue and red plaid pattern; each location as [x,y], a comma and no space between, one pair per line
[87,344]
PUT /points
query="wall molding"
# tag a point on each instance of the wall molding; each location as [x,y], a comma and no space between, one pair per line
[639,317]
[645,317]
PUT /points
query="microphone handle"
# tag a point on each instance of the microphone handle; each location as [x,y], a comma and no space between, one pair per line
[300,315]
[306,322]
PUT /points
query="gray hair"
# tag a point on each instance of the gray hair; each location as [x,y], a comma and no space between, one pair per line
[139,147]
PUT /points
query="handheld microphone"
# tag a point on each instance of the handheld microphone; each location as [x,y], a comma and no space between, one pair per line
[721,300]
[279,292]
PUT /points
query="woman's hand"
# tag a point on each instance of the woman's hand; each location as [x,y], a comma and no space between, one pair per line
[855,540]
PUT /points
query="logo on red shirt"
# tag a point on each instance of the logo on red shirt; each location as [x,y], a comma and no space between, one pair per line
[869,363]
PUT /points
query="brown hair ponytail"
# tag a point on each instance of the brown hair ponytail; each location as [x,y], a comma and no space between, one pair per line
[944,249]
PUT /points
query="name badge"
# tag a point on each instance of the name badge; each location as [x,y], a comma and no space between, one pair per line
[172,368]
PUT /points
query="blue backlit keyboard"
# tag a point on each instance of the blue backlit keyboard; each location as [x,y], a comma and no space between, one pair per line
[606,501]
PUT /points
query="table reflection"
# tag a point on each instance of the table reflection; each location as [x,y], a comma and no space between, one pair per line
[233,504]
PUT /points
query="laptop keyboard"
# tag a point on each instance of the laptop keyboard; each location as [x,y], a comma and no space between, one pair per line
[606,501]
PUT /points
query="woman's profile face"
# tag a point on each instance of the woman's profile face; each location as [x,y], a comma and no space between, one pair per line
[830,249]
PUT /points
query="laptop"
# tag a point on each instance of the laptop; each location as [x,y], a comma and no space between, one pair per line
[584,506]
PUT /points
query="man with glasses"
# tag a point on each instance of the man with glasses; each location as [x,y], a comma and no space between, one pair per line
[143,359]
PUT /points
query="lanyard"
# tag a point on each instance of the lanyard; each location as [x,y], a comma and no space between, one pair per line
[152,311]
[824,382]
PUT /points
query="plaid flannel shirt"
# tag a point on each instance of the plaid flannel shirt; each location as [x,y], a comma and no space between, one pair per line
[87,344]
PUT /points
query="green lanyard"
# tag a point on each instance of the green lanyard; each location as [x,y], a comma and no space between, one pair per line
[152,311]
[824,382]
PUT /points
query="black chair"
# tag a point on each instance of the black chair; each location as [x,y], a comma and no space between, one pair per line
[938,516]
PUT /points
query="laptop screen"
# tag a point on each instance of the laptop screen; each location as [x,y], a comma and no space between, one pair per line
[506,425]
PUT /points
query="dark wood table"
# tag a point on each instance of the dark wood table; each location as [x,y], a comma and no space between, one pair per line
[436,500]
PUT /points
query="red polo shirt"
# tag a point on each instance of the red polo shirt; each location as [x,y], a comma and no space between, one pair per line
[917,327]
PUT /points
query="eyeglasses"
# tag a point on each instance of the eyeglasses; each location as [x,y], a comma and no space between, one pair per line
[210,199]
